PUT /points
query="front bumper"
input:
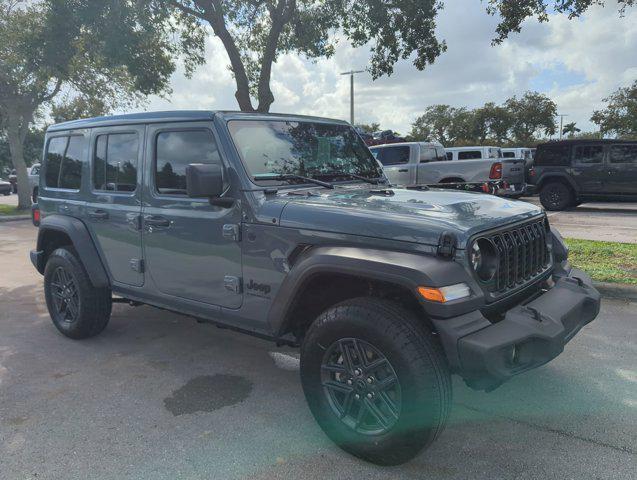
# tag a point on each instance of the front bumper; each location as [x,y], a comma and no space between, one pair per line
[487,354]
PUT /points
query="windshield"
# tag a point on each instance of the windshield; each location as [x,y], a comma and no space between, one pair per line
[309,149]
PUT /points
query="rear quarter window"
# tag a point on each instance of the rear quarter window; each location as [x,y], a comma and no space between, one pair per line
[623,154]
[63,162]
[470,155]
[394,155]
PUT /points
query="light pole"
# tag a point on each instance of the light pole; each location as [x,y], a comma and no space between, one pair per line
[351,74]
[562,115]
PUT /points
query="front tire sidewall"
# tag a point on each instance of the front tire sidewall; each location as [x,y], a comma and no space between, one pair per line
[556,197]
[423,398]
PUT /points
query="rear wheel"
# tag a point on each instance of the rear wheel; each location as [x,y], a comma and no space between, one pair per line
[77,308]
[556,196]
[376,380]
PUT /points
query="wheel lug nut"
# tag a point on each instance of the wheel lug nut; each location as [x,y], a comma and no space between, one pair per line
[370,380]
[349,381]
[357,372]
[357,396]
[370,395]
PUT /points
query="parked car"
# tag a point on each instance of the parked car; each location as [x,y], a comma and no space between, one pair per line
[525,154]
[473,153]
[34,180]
[383,138]
[5,187]
[281,226]
[13,180]
[416,163]
[569,172]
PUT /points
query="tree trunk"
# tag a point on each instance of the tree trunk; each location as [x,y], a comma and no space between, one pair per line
[15,136]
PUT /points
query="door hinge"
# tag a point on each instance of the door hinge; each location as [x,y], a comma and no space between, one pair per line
[232,284]
[137,264]
[231,231]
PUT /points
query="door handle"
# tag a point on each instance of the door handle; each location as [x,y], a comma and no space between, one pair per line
[98,214]
[403,170]
[156,221]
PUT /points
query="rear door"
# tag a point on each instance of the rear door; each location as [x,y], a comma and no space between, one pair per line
[622,169]
[588,167]
[397,165]
[114,204]
[513,171]
[191,247]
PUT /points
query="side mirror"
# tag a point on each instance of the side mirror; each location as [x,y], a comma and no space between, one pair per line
[204,180]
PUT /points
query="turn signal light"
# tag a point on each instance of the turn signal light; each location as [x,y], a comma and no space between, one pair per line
[445,294]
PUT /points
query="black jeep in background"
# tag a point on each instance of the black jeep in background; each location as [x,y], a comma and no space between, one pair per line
[568,172]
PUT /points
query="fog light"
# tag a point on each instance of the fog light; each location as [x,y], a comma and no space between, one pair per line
[445,294]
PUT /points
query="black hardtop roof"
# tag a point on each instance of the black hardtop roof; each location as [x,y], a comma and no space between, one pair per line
[579,141]
[177,116]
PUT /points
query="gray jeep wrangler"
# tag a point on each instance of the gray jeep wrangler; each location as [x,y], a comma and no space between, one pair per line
[284,227]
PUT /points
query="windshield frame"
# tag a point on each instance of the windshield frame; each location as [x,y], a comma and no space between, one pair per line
[342,178]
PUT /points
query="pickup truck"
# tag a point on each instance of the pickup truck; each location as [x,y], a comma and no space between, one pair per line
[422,163]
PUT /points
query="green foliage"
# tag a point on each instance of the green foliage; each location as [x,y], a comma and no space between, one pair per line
[605,261]
[571,129]
[512,13]
[255,33]
[33,144]
[78,107]
[519,120]
[619,118]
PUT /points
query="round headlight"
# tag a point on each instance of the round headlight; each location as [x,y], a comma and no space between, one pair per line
[484,259]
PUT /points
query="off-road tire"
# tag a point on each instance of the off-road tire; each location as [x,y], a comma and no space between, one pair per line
[556,196]
[93,309]
[419,364]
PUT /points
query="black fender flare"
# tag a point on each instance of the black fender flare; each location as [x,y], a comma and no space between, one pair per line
[547,177]
[82,242]
[407,270]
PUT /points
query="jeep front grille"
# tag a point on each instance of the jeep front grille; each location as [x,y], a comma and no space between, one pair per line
[523,254]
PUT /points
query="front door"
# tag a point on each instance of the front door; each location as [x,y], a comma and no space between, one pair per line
[622,169]
[187,253]
[114,207]
[588,168]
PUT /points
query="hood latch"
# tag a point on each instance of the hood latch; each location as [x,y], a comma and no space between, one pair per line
[447,245]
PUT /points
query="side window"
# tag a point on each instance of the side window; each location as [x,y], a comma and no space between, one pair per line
[394,155]
[508,154]
[175,150]
[63,162]
[588,154]
[449,155]
[35,170]
[470,155]
[623,154]
[553,155]
[427,155]
[115,162]
[53,160]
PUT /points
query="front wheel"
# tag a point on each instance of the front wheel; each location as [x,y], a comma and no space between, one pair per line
[77,308]
[376,380]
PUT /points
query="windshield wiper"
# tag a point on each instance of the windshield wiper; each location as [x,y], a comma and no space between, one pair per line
[292,176]
[373,181]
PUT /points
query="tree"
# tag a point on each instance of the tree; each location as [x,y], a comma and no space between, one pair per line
[369,127]
[255,33]
[435,124]
[78,107]
[620,115]
[492,122]
[107,50]
[571,130]
[513,12]
[532,114]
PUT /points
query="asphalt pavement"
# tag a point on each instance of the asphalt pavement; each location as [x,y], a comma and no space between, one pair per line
[158,396]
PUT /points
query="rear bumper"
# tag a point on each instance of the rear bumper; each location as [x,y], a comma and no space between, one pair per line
[513,190]
[487,354]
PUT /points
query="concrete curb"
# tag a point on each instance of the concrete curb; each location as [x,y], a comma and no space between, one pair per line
[14,218]
[617,290]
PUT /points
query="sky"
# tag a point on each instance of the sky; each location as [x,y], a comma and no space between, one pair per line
[575,62]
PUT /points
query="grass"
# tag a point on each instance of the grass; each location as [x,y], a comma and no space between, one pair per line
[12,210]
[605,261]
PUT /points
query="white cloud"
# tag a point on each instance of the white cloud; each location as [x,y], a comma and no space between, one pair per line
[577,62]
